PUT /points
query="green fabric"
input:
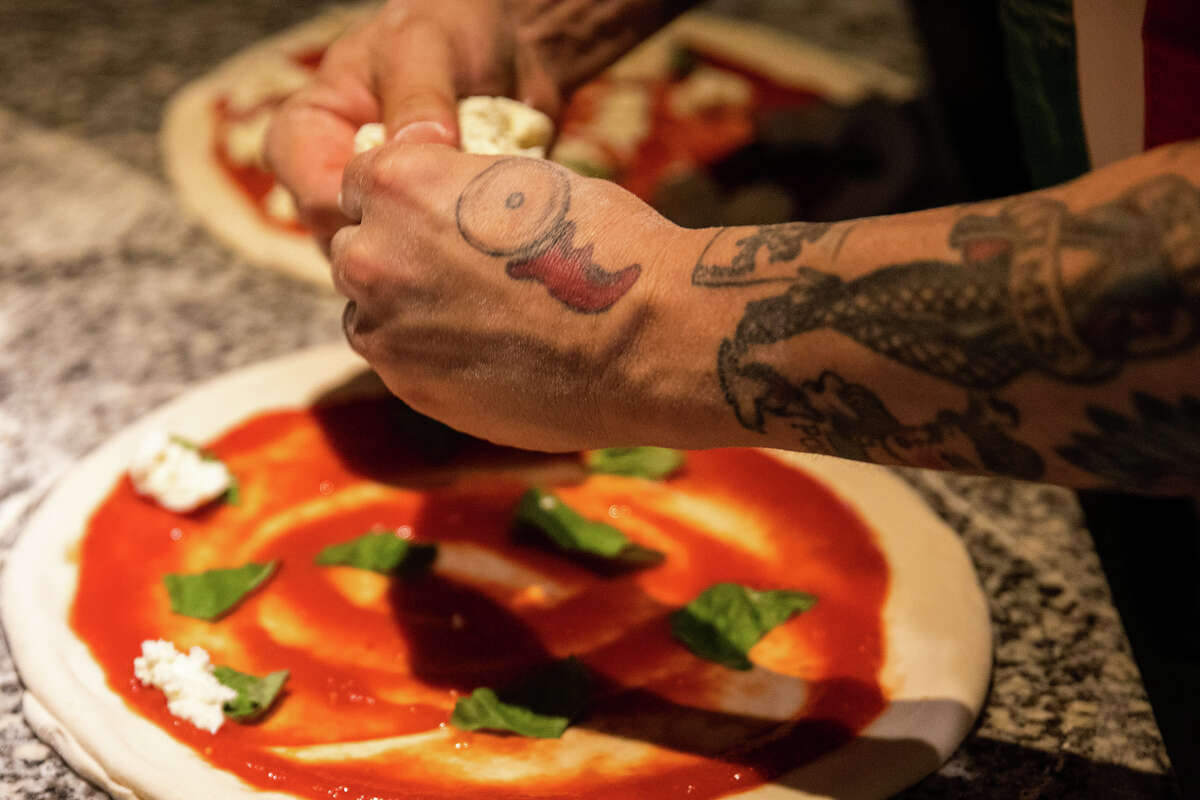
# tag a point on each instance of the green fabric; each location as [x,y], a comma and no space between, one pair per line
[1039,45]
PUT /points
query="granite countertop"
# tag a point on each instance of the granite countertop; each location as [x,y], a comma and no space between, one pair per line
[113,301]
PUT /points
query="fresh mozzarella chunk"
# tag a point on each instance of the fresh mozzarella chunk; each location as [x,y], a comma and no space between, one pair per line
[187,681]
[500,126]
[708,88]
[494,126]
[245,141]
[175,474]
[280,204]
[368,137]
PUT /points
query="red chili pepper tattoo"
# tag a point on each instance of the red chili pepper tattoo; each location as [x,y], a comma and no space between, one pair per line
[517,209]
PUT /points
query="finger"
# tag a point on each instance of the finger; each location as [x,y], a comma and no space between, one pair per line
[307,148]
[340,247]
[353,328]
[354,182]
[312,136]
[357,327]
[535,86]
[412,66]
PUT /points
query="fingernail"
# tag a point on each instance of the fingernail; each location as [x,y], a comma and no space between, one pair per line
[423,132]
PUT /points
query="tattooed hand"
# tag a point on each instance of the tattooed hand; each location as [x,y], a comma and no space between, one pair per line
[505,297]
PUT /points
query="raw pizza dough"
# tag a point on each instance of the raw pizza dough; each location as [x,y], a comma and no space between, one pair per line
[936,627]
[268,71]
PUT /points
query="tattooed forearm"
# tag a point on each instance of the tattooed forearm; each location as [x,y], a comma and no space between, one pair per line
[1136,295]
[517,209]
[832,416]
[1037,288]
[1160,443]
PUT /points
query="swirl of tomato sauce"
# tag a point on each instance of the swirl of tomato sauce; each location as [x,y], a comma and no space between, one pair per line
[382,659]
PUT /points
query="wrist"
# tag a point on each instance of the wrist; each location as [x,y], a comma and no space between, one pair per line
[666,370]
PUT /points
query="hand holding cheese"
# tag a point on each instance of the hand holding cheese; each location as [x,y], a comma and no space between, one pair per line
[494,126]
[406,66]
[410,62]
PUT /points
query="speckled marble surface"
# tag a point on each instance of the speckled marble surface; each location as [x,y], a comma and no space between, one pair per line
[111,302]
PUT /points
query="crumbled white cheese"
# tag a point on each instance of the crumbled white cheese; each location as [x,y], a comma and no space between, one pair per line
[708,88]
[280,204]
[368,137]
[493,126]
[501,126]
[176,475]
[187,681]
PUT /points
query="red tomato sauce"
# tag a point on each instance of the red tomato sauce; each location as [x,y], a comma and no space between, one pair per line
[697,141]
[394,665]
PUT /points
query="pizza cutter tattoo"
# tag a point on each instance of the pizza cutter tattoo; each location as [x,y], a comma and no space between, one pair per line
[517,209]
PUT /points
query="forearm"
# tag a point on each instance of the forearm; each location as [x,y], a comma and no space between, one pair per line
[1053,336]
[576,39]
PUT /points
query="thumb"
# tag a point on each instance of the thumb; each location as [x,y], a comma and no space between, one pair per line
[413,72]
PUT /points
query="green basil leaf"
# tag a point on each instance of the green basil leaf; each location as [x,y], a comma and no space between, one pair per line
[637,462]
[208,595]
[725,620]
[255,694]
[542,706]
[379,551]
[570,532]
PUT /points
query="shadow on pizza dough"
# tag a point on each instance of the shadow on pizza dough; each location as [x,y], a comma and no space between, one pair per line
[816,756]
[433,453]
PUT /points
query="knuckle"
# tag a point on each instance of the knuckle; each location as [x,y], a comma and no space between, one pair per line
[356,335]
[394,170]
[353,263]
[419,167]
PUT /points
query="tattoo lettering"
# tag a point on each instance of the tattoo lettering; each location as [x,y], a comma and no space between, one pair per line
[845,419]
[782,243]
[1161,443]
[517,209]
